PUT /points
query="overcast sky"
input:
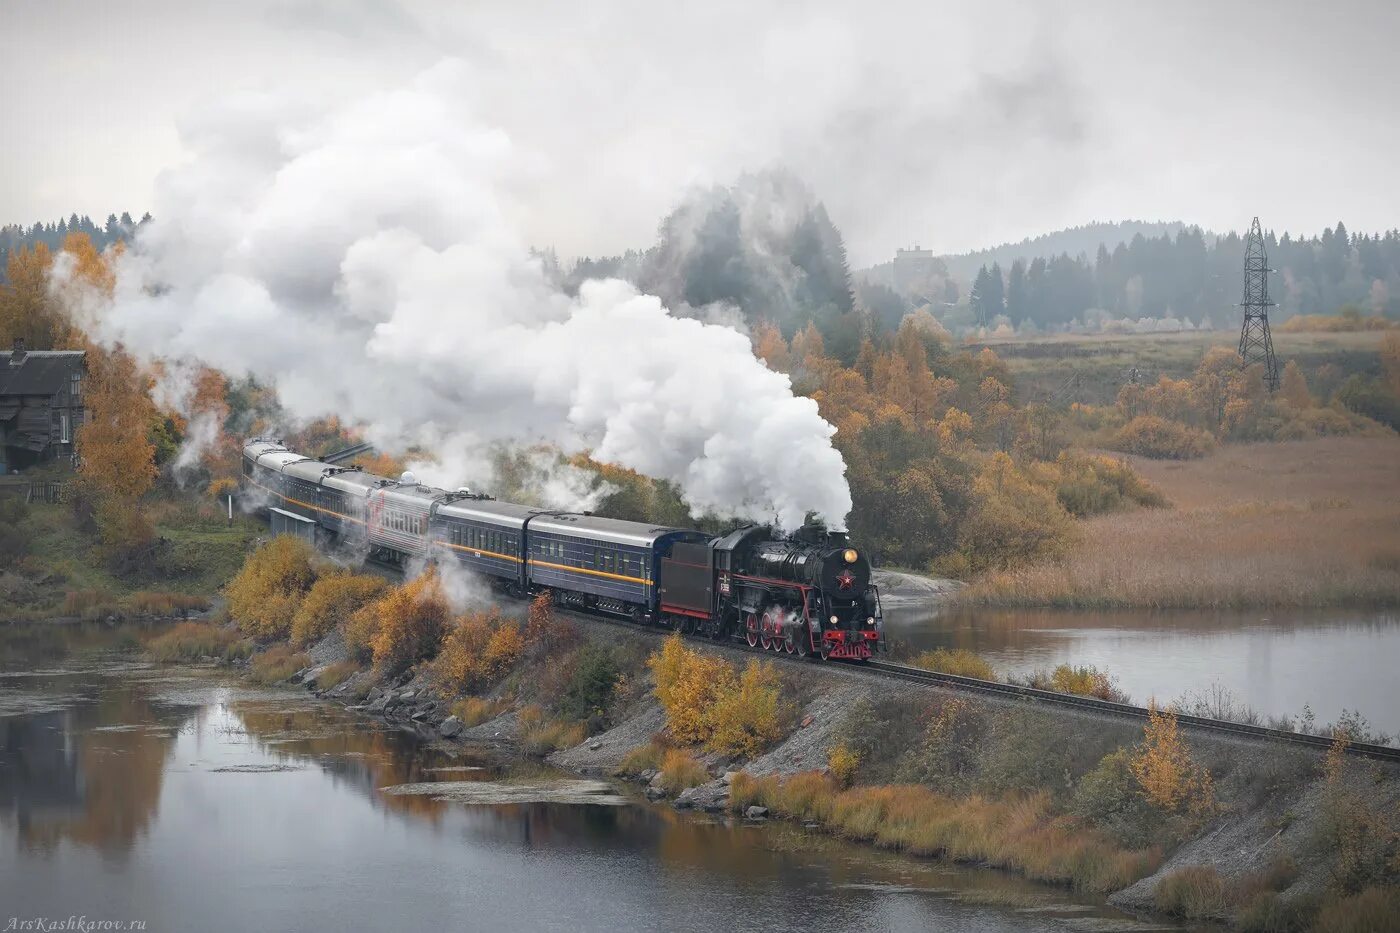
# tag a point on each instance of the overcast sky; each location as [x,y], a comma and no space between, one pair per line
[953,127]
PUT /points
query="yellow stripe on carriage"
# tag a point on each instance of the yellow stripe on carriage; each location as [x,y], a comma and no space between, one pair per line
[596,573]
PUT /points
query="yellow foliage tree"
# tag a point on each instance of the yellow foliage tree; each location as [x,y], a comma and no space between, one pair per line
[116,460]
[688,683]
[333,599]
[268,591]
[1165,770]
[28,311]
[747,719]
[411,622]
[769,346]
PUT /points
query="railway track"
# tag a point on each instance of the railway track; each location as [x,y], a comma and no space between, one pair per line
[1015,691]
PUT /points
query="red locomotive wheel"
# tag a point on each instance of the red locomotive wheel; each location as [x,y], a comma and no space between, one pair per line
[751,631]
[766,642]
[790,643]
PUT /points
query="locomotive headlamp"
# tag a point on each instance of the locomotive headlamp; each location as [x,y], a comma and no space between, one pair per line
[833,620]
[850,555]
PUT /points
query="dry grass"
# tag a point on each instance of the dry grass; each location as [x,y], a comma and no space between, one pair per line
[1302,523]
[1022,834]
[336,674]
[1196,893]
[155,603]
[643,758]
[680,771]
[278,663]
[540,735]
[473,711]
[957,661]
[192,641]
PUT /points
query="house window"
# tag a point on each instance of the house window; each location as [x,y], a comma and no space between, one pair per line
[64,429]
[75,388]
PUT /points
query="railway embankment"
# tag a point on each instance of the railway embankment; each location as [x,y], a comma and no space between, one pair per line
[1160,819]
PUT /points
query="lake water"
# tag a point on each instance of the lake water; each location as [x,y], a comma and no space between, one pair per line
[192,801]
[1275,662]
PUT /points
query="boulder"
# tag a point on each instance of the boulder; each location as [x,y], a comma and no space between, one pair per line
[450,726]
[655,793]
[756,813]
[728,778]
[688,798]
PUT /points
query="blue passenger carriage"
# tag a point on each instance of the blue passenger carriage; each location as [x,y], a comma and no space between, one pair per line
[485,536]
[600,563]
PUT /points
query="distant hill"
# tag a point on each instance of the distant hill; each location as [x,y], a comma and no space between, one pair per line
[1075,241]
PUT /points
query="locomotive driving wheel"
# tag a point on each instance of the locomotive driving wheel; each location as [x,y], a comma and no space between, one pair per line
[751,630]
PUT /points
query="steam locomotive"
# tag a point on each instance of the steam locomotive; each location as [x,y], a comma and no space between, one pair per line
[808,594]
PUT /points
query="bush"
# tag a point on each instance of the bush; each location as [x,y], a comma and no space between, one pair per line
[333,599]
[278,663]
[222,488]
[589,690]
[747,719]
[746,790]
[1160,439]
[478,650]
[1085,681]
[411,620]
[193,641]
[958,661]
[680,771]
[1195,892]
[1169,777]
[688,684]
[1091,485]
[267,592]
[843,764]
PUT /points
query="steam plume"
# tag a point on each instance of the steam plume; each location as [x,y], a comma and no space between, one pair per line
[365,257]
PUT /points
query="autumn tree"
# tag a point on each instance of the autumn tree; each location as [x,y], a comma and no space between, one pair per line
[28,311]
[1168,775]
[116,459]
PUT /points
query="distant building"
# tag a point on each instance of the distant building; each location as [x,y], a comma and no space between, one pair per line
[918,273]
[41,405]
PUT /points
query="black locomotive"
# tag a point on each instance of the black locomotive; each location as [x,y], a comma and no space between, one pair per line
[808,594]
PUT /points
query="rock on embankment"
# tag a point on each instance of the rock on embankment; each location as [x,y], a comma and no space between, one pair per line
[897,586]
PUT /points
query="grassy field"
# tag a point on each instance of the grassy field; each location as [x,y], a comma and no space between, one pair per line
[1098,363]
[1304,523]
[62,574]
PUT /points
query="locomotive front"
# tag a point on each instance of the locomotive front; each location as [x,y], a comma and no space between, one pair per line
[840,608]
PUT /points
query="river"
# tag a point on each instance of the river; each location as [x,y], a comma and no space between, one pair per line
[191,800]
[1276,662]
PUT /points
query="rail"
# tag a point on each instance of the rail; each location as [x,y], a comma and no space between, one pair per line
[958,682]
[347,453]
[919,675]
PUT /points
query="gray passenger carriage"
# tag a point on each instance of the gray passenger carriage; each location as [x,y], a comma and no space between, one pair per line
[600,563]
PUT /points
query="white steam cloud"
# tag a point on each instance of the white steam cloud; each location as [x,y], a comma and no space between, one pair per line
[366,258]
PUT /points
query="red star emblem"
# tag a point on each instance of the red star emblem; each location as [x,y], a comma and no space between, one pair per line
[846,580]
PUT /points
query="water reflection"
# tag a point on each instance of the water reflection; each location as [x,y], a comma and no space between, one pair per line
[1275,661]
[195,802]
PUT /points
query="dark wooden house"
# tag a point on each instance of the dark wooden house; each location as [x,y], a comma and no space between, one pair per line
[41,405]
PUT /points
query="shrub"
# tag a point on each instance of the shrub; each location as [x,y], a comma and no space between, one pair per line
[1163,766]
[1160,439]
[1085,681]
[478,650]
[1195,892]
[333,599]
[411,620]
[473,711]
[267,592]
[680,770]
[958,661]
[191,641]
[843,764]
[743,720]
[808,796]
[592,681]
[278,663]
[1091,485]
[221,488]
[688,684]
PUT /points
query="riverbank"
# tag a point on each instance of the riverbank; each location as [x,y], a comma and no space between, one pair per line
[1312,523]
[1056,782]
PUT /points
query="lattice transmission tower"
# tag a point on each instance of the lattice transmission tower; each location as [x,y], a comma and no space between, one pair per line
[1256,346]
